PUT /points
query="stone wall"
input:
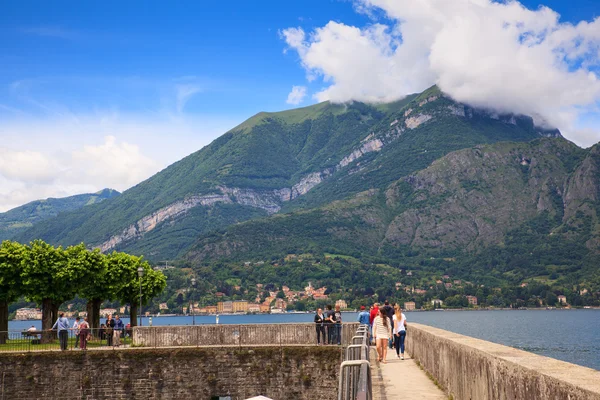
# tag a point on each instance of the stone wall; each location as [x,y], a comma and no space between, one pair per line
[473,369]
[184,373]
[232,335]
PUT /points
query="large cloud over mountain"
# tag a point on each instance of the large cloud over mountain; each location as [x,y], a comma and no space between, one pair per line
[499,55]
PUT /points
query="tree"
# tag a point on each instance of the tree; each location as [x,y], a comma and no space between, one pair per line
[103,285]
[152,283]
[46,281]
[11,259]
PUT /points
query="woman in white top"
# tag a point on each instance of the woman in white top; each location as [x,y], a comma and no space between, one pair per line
[382,332]
[399,331]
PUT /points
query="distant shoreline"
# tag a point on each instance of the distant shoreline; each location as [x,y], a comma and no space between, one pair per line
[357,311]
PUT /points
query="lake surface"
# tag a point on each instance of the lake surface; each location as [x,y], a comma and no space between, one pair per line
[568,335]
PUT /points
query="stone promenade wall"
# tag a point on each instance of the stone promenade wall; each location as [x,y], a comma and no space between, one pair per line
[176,373]
[233,335]
[473,369]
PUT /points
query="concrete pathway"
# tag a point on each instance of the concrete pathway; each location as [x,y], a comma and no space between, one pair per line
[402,379]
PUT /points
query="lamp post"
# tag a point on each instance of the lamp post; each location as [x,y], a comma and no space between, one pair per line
[140,272]
[193,290]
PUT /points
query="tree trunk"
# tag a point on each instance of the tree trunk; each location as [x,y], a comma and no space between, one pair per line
[93,313]
[55,315]
[47,320]
[3,322]
[133,314]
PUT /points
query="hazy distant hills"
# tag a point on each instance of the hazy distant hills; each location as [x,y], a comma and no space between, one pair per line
[290,170]
[21,218]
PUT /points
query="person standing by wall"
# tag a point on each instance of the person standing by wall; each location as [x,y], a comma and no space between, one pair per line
[119,328]
[84,332]
[110,326]
[62,325]
[329,321]
[382,331]
[76,331]
[399,331]
[320,326]
[364,318]
[338,325]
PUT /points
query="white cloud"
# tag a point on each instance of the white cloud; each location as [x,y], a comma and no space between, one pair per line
[499,55]
[31,166]
[107,149]
[184,93]
[30,175]
[118,165]
[297,94]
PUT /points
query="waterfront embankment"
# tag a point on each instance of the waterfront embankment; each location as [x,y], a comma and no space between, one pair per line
[469,368]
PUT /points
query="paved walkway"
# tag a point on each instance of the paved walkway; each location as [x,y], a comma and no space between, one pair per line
[402,379]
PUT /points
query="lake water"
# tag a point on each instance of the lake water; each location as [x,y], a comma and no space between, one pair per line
[568,335]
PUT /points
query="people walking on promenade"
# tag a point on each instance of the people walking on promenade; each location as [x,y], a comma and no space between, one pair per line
[329,321]
[372,314]
[76,331]
[399,331]
[382,331]
[364,318]
[84,331]
[62,325]
[389,311]
[118,331]
[338,325]
[320,326]
[110,326]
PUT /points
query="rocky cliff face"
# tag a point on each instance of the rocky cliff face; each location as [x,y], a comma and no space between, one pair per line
[471,198]
[466,201]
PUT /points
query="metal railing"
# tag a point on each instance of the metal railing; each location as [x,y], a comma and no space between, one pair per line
[73,340]
[355,370]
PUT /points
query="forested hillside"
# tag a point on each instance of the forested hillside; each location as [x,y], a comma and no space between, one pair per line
[497,213]
[280,162]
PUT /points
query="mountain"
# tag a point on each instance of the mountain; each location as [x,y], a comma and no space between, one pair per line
[508,210]
[283,162]
[19,219]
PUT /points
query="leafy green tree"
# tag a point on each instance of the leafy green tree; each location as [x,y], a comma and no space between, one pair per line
[46,280]
[102,285]
[152,283]
[52,276]
[11,258]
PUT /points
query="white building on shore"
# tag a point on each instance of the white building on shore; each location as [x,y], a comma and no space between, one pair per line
[23,314]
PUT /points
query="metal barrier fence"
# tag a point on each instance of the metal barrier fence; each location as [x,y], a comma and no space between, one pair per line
[72,340]
[238,335]
[355,371]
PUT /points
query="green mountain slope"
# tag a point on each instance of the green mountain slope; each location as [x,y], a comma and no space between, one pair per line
[21,218]
[278,162]
[509,210]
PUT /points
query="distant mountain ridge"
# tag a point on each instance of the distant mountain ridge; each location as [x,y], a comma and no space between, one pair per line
[19,219]
[282,162]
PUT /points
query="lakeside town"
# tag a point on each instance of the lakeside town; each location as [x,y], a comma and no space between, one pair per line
[282,301]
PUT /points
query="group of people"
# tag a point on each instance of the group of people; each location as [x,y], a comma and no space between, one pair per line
[329,326]
[387,327]
[112,330]
[81,329]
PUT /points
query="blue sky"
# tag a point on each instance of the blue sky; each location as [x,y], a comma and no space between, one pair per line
[91,54]
[84,85]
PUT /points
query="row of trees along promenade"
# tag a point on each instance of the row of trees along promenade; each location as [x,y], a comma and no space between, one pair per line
[51,275]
